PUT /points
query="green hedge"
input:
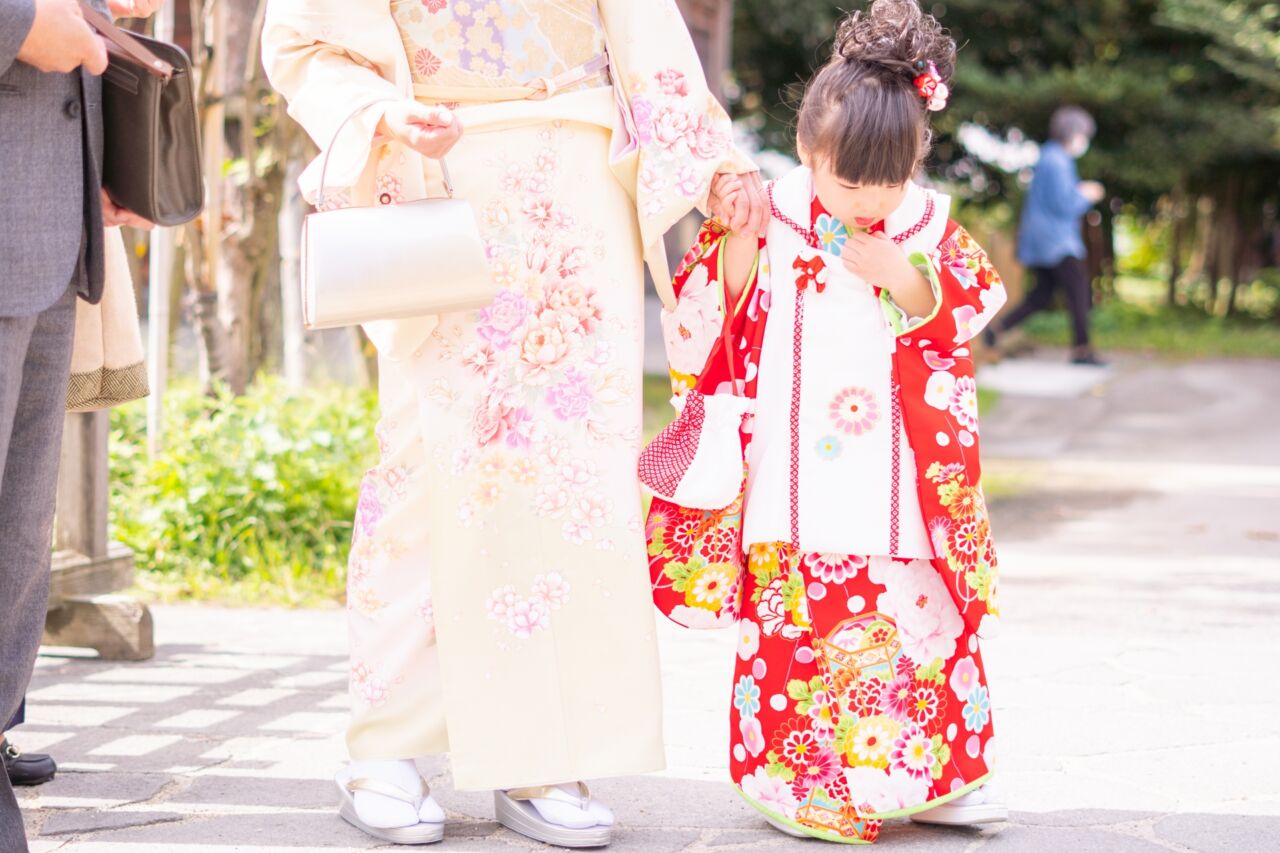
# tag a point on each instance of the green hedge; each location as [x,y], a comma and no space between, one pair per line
[252,498]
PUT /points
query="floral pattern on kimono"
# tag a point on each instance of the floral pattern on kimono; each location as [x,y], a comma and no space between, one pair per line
[518,425]
[859,691]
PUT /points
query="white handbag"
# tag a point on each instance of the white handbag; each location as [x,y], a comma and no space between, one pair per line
[696,462]
[362,264]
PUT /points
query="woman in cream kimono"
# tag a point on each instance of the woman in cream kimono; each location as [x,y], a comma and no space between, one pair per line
[498,591]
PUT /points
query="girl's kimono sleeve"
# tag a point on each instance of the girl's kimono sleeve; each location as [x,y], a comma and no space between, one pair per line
[966,287]
[312,53]
[673,136]
[691,330]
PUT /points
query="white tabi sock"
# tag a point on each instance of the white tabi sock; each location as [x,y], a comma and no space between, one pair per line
[385,812]
[569,813]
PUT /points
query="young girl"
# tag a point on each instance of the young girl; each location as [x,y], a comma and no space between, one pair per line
[869,572]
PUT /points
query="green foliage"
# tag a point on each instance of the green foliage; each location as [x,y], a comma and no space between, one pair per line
[1130,323]
[251,500]
[1179,87]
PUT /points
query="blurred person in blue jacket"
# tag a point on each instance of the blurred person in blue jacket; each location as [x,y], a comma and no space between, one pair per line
[1049,237]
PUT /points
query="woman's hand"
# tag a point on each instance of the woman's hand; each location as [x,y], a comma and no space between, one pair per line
[432,131]
[739,202]
[133,8]
[114,215]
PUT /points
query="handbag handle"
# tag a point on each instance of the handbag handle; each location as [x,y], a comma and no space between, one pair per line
[125,42]
[324,165]
[726,343]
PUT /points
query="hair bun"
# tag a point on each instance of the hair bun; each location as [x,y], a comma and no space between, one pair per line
[898,36]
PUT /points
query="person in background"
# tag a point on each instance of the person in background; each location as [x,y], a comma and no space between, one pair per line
[24,768]
[1049,238]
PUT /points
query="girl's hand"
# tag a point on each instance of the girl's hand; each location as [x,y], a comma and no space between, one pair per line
[723,200]
[432,131]
[879,261]
[739,202]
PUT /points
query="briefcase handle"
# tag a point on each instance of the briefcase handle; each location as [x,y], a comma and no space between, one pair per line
[125,42]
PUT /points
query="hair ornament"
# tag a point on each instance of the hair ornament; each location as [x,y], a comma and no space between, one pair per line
[930,86]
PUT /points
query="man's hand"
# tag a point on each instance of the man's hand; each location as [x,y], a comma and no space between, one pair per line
[431,131]
[133,8]
[113,215]
[61,41]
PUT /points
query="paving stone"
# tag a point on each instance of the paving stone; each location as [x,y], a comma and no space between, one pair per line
[649,801]
[249,831]
[1079,817]
[92,790]
[213,789]
[1042,839]
[652,840]
[1214,833]
[81,822]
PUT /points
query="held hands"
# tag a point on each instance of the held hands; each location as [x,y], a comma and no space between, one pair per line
[113,215]
[60,41]
[738,201]
[432,131]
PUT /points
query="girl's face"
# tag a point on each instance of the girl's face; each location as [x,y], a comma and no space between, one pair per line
[856,205]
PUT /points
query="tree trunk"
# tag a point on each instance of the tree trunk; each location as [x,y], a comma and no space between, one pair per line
[292,210]
[1177,207]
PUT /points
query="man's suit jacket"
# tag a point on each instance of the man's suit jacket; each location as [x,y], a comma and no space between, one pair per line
[50,175]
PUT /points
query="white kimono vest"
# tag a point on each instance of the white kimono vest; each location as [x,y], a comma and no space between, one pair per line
[829,459]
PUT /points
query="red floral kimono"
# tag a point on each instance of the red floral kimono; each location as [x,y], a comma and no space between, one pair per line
[859,562]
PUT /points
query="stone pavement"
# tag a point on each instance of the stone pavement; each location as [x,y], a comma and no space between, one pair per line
[1133,683]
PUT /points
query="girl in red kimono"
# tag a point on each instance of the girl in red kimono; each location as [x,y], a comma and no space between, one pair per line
[865,573]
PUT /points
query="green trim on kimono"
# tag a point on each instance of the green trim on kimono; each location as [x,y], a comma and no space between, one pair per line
[721,245]
[898,319]
[836,839]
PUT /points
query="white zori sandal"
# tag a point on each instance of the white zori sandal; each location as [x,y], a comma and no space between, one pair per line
[423,832]
[977,806]
[552,815]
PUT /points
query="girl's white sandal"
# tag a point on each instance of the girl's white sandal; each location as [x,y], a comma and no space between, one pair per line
[970,810]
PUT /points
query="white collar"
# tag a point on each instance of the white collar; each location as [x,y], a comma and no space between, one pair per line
[793,196]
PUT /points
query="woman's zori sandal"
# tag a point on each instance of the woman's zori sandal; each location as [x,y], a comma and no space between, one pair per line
[429,828]
[553,815]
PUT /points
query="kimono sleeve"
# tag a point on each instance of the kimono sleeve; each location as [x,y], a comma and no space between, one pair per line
[966,287]
[691,329]
[675,136]
[324,80]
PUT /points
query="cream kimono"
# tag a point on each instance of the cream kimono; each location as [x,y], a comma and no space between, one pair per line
[497,587]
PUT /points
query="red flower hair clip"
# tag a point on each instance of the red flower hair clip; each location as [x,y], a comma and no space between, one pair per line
[930,86]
